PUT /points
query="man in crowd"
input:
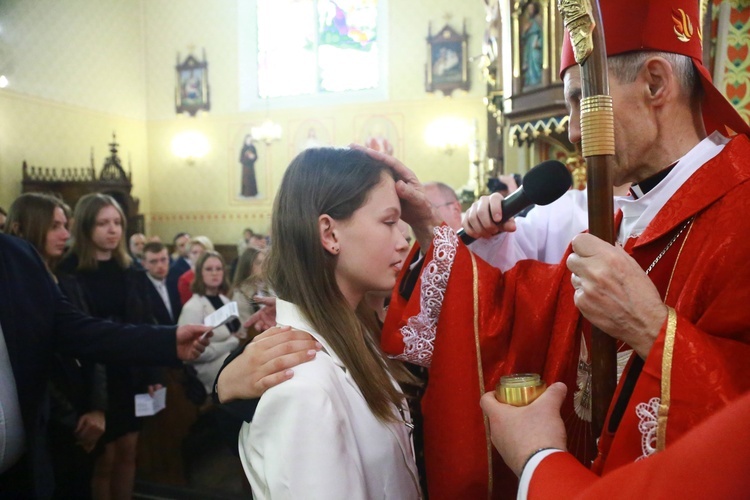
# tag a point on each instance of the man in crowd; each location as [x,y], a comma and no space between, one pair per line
[165,305]
[443,198]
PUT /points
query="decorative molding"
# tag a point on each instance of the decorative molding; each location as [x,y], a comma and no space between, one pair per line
[527,132]
[206,216]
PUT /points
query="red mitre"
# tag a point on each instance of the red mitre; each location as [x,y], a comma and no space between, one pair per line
[658,25]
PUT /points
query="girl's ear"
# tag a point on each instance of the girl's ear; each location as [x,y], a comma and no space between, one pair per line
[327,228]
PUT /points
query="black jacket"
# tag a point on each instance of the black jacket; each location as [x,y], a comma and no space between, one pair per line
[37,321]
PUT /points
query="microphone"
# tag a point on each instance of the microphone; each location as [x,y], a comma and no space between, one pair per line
[542,185]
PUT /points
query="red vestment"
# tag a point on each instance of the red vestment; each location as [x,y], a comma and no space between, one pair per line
[710,461]
[525,321]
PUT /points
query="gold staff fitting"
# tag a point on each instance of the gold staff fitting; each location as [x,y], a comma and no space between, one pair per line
[597,126]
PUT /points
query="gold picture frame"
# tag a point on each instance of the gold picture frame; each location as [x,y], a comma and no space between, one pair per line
[532,34]
[192,93]
[447,67]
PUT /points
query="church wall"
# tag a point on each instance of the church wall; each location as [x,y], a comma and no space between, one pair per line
[203,197]
[81,70]
[76,76]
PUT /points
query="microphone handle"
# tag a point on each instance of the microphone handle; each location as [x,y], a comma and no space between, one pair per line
[511,206]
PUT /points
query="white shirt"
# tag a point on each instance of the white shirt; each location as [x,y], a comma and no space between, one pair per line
[161,288]
[638,213]
[543,235]
[314,437]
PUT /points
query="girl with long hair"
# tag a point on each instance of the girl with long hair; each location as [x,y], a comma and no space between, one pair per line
[98,265]
[340,428]
[42,220]
[248,281]
[78,391]
[209,288]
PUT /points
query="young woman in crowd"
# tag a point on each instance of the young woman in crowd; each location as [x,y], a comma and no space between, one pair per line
[98,265]
[42,220]
[78,391]
[340,428]
[249,281]
[196,247]
[209,286]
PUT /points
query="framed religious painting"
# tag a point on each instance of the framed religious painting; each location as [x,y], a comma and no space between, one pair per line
[447,61]
[535,43]
[532,36]
[192,93]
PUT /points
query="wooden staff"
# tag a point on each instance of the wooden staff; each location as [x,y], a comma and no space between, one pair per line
[584,24]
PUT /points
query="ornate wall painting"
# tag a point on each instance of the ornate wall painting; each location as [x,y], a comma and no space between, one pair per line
[381,132]
[192,93]
[248,163]
[311,133]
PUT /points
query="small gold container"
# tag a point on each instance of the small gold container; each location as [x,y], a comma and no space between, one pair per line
[519,389]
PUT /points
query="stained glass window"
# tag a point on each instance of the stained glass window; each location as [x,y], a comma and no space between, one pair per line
[310,47]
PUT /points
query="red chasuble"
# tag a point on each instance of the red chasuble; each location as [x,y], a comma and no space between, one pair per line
[471,324]
[710,461]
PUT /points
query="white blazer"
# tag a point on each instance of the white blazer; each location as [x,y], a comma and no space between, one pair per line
[314,437]
[222,342]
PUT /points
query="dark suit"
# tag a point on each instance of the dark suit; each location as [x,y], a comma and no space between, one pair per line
[159,310]
[177,269]
[37,321]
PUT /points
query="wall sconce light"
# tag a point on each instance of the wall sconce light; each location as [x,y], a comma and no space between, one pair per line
[190,146]
[268,132]
[448,134]
[3,81]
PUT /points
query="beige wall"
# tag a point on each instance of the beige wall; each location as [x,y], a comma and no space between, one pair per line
[77,74]
[80,70]
[58,135]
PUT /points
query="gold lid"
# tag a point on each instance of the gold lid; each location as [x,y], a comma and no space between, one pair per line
[519,389]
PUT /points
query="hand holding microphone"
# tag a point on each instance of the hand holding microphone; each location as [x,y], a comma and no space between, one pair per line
[542,185]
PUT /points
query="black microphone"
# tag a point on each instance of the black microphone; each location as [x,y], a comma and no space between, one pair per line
[542,185]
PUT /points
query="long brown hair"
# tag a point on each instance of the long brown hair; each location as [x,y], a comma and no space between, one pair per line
[244,271]
[335,182]
[199,286]
[86,211]
[30,217]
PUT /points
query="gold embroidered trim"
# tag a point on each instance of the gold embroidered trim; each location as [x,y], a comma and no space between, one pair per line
[668,355]
[669,285]
[666,375]
[480,370]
